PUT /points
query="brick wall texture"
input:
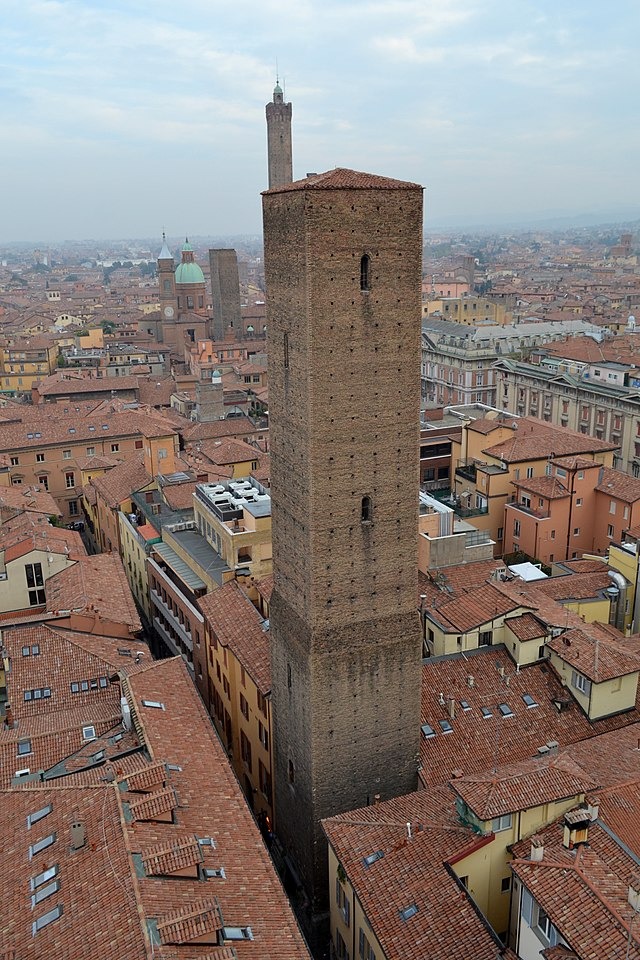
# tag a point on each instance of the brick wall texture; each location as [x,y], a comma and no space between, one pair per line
[344,394]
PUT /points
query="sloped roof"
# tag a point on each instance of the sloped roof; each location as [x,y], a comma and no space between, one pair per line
[412,872]
[237,624]
[343,179]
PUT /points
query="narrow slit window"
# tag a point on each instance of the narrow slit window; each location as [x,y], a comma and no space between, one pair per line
[286,351]
[367,510]
[365,269]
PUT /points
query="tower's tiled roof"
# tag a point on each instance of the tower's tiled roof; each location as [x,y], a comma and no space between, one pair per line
[343,179]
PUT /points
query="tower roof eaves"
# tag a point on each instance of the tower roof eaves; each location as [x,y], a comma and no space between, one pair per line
[342,178]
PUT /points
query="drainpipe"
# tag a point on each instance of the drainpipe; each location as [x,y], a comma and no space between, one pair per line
[569,527]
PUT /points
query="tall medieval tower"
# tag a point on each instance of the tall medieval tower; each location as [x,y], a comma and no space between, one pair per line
[343,272]
[279,139]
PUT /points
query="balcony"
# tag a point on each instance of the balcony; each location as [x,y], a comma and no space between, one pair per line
[180,629]
[467,469]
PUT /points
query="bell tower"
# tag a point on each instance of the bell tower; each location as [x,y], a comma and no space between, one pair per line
[279,139]
[343,255]
[167,283]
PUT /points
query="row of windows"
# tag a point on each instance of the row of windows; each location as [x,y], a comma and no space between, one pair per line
[66,454]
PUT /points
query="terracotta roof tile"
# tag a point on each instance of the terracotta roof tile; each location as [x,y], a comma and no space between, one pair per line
[120,482]
[412,872]
[236,624]
[520,786]
[96,584]
[619,485]
[343,179]
[537,440]
[526,627]
[181,853]
[478,742]
[595,655]
[200,921]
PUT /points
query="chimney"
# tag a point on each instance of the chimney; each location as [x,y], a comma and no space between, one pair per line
[376,799]
[593,806]
[553,747]
[470,680]
[78,835]
[537,848]
[451,707]
[8,716]
[576,828]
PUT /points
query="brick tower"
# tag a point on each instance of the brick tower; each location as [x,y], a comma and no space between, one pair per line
[343,272]
[279,139]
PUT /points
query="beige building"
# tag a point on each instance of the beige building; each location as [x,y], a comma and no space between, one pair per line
[32,551]
[574,401]
[235,518]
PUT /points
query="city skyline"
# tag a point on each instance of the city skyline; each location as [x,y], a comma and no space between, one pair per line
[124,120]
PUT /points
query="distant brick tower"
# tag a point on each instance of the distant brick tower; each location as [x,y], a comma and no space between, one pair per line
[343,274]
[225,293]
[279,139]
[167,283]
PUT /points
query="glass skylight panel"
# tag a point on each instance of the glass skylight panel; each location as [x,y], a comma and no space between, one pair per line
[465,705]
[43,877]
[237,933]
[427,731]
[156,704]
[24,747]
[505,710]
[41,845]
[214,873]
[39,815]
[409,912]
[373,858]
[46,919]
[43,892]
[529,701]
[207,842]
[89,732]
[445,726]
[486,712]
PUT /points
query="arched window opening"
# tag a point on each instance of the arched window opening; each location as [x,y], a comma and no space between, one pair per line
[365,267]
[367,510]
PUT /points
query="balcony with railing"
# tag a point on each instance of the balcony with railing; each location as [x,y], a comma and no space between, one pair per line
[181,629]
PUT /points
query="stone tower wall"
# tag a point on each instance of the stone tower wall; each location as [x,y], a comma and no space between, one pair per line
[279,152]
[344,393]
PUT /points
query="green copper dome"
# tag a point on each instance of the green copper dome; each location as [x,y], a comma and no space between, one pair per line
[189,273]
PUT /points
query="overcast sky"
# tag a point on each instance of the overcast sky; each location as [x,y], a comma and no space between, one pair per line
[122,118]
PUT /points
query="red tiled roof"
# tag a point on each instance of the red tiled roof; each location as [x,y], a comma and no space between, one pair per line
[96,584]
[537,440]
[595,655]
[462,613]
[120,482]
[412,872]
[236,624]
[549,487]
[343,179]
[522,785]
[584,891]
[477,743]
[619,485]
[526,627]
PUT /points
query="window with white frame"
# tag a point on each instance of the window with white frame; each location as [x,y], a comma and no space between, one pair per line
[580,683]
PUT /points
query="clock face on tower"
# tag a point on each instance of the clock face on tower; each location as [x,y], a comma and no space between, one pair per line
[168,312]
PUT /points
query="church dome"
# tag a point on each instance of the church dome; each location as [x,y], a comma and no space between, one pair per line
[189,273]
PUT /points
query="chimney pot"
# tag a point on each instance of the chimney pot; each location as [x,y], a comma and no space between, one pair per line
[78,835]
[8,716]
[537,848]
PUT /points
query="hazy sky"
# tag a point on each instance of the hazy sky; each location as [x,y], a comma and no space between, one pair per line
[122,118]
